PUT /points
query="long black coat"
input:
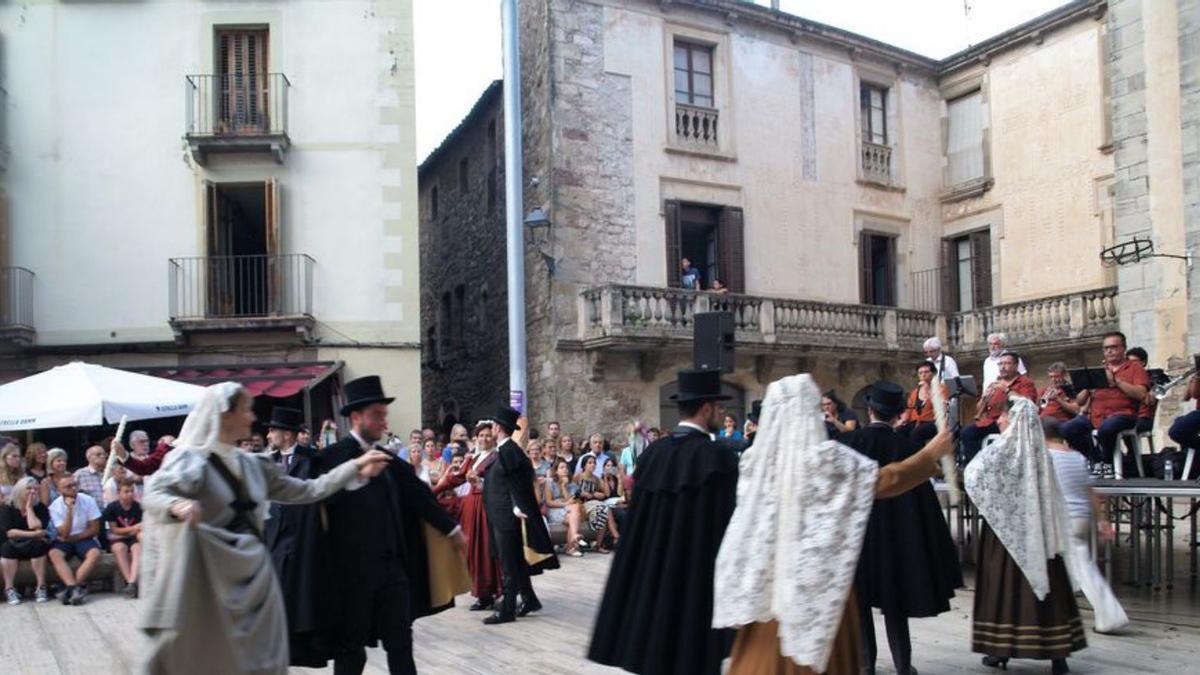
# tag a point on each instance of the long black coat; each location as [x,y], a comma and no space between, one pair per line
[909,566]
[656,613]
[508,483]
[336,546]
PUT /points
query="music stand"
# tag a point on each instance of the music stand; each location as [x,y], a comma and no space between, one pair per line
[964,385]
[1089,378]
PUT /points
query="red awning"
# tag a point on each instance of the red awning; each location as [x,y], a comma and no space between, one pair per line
[277,380]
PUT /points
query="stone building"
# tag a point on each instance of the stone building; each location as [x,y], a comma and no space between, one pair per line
[855,198]
[214,190]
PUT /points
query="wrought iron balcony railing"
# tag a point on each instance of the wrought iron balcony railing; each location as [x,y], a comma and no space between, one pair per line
[237,113]
[240,287]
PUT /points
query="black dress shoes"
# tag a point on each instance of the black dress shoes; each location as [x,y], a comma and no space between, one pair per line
[499,617]
[482,604]
[526,608]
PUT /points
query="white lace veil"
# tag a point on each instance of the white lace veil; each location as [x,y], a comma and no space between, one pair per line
[794,540]
[1012,483]
[203,425]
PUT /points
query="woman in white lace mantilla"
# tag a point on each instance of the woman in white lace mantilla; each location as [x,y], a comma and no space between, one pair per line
[213,598]
[785,572]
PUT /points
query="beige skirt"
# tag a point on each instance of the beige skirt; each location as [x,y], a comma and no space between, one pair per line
[756,649]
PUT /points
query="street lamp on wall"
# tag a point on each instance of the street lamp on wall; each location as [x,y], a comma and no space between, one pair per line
[539,234]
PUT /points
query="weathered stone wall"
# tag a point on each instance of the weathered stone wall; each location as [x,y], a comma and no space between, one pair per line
[464,246]
[1189,83]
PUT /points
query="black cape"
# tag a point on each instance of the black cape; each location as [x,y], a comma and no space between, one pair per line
[656,614]
[909,566]
[328,543]
[509,483]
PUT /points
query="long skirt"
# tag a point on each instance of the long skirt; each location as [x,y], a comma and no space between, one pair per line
[756,649]
[484,569]
[1009,620]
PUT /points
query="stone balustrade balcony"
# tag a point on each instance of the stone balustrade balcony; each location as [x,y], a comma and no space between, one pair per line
[877,163]
[696,127]
[645,318]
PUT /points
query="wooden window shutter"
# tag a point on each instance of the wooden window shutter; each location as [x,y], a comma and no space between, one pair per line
[981,267]
[274,264]
[731,250]
[674,244]
[242,79]
[865,281]
[949,276]
[889,288]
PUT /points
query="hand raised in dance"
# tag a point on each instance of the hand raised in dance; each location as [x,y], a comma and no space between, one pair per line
[371,463]
[941,445]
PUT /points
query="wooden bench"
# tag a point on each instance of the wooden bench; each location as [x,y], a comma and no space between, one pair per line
[105,575]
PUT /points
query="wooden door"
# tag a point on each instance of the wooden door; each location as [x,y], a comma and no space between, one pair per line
[674,238]
[277,269]
[241,84]
[215,268]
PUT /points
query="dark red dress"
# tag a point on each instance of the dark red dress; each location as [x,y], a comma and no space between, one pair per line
[484,569]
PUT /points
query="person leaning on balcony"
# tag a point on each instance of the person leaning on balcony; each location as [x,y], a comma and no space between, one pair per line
[994,401]
[1145,416]
[1112,409]
[947,367]
[997,345]
[689,277]
[1058,399]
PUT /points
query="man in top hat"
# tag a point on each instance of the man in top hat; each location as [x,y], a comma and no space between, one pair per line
[656,613]
[908,567]
[373,552]
[511,508]
[282,431]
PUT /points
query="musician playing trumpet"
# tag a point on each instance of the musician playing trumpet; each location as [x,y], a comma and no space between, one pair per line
[1112,409]
[1058,400]
[1186,429]
[994,401]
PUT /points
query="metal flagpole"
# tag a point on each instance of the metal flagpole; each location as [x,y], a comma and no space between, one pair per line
[514,206]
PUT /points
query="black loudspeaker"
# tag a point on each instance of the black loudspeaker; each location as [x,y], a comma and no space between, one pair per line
[712,344]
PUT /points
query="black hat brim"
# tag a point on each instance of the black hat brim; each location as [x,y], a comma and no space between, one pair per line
[359,405]
[285,427]
[688,398]
[888,411]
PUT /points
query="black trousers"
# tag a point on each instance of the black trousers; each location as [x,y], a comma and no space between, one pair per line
[899,640]
[378,606]
[511,551]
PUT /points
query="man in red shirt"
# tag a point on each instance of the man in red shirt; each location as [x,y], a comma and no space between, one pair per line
[1112,409]
[994,401]
[1057,400]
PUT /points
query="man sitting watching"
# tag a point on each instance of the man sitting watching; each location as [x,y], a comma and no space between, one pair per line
[89,478]
[1145,415]
[1186,429]
[994,401]
[77,520]
[1112,409]
[1057,400]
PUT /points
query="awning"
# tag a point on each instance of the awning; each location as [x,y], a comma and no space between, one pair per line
[277,380]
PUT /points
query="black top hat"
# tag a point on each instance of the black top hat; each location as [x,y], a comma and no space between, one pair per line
[363,392]
[507,417]
[886,399]
[699,385]
[755,411]
[288,419]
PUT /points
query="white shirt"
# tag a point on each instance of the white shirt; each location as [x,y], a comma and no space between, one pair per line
[1074,481]
[697,427]
[84,512]
[947,366]
[991,370]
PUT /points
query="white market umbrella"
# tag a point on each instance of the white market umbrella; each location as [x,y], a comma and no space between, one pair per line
[85,394]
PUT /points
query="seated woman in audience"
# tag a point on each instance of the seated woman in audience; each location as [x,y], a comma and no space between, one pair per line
[123,518]
[541,467]
[56,468]
[560,496]
[35,461]
[10,470]
[593,492]
[24,535]
[919,420]
[839,418]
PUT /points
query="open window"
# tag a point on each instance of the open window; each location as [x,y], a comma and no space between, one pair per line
[243,275]
[877,269]
[711,239]
[967,272]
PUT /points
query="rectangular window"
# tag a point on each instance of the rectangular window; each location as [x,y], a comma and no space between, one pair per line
[433,203]
[711,239]
[877,272]
[241,80]
[491,188]
[967,278]
[964,139]
[464,174]
[694,74]
[873,113]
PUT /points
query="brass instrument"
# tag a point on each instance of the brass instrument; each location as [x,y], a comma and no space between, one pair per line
[1160,391]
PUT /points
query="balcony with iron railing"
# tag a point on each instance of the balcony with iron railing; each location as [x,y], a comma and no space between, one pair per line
[16,306]
[239,293]
[643,318]
[237,113]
